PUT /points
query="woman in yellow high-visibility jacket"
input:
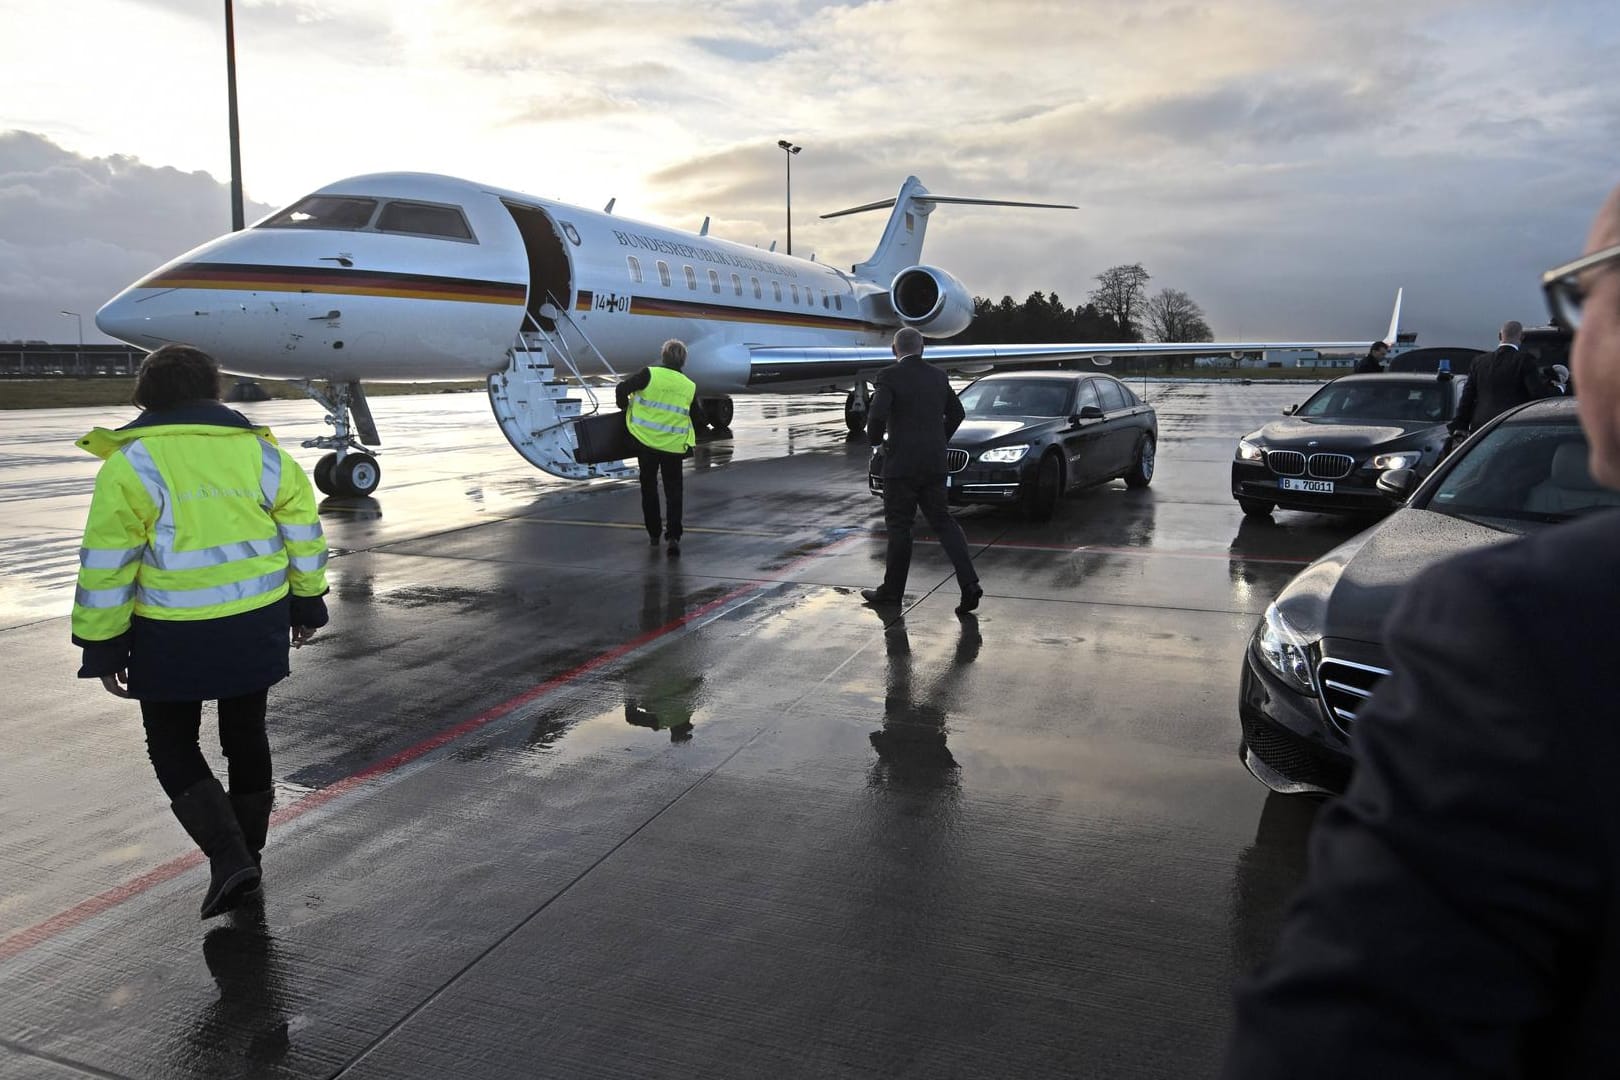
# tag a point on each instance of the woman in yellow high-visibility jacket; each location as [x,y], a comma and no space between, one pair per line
[203,560]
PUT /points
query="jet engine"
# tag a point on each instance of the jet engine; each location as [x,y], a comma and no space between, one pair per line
[931,300]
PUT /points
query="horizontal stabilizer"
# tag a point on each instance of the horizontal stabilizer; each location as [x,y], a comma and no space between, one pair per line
[921,199]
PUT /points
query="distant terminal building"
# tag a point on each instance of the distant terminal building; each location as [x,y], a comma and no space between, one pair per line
[1300,358]
[41,359]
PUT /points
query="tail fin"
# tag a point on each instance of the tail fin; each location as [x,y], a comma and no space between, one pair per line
[901,245]
[1394,321]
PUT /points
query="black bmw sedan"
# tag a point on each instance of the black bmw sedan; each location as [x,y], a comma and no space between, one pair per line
[1031,437]
[1328,454]
[1318,652]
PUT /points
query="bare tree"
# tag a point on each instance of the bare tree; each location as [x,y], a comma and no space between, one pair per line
[1121,293]
[1172,315]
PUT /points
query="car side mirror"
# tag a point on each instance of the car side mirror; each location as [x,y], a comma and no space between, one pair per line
[1090,412]
[1289,410]
[1398,483]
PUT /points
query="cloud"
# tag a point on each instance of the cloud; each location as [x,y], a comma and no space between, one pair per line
[78,229]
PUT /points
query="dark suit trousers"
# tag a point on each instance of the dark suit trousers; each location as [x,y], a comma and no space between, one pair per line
[652,463]
[902,497]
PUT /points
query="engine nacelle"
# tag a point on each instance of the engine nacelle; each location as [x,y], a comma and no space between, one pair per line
[929,299]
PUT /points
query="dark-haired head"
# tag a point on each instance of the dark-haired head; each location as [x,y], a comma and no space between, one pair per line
[176,375]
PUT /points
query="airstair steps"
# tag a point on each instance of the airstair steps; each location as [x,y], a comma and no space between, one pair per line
[536,410]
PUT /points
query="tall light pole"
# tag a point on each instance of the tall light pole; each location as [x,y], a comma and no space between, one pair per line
[790,149]
[78,356]
[237,217]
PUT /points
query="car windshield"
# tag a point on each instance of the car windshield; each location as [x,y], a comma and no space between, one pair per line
[1371,399]
[1016,397]
[1524,472]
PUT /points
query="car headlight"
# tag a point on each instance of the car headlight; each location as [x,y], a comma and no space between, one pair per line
[1001,455]
[1248,451]
[1285,650]
[1406,460]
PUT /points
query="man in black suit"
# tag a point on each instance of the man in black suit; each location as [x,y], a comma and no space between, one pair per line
[916,407]
[1373,362]
[1462,910]
[1499,381]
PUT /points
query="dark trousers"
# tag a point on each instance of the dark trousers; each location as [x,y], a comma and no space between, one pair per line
[902,497]
[654,462]
[172,728]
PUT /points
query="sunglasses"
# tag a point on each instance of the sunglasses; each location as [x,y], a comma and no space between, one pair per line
[1564,291]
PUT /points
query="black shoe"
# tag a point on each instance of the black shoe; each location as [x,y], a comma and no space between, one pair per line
[880,596]
[253,815]
[674,548]
[970,598]
[652,540]
[206,813]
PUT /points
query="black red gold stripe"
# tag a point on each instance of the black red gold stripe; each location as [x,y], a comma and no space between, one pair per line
[688,309]
[335,280]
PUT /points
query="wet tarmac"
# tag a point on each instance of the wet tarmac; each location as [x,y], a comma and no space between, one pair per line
[555,805]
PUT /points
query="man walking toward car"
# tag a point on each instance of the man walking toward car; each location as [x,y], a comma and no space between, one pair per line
[1499,381]
[916,408]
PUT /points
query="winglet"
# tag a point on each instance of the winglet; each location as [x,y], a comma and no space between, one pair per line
[1394,321]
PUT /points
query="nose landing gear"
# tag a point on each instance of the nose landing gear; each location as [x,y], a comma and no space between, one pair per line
[349,469]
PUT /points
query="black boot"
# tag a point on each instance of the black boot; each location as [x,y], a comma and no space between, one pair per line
[253,815]
[205,812]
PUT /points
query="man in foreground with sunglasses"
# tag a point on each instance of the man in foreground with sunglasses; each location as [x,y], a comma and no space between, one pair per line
[1461,917]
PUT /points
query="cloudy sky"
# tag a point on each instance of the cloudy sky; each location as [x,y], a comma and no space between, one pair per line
[1288,163]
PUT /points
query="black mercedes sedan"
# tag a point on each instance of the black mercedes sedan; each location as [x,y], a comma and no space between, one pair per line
[1031,437]
[1328,454]
[1318,652]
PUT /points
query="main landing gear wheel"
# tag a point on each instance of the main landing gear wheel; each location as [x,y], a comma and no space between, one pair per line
[356,474]
[718,412]
[855,413]
[1141,474]
[1256,508]
[323,475]
[1041,494]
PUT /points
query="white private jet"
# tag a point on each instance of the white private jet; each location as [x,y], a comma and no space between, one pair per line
[418,277]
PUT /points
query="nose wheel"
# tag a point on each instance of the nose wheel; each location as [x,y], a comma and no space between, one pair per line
[352,474]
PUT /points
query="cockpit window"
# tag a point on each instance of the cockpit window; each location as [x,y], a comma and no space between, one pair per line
[325,212]
[421,219]
[347,213]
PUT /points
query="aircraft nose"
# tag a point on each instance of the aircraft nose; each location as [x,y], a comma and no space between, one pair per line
[123,318]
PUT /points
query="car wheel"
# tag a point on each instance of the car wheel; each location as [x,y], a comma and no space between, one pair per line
[1141,474]
[1256,508]
[1041,494]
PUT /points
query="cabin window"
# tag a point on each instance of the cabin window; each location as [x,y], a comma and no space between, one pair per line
[714,281]
[838,302]
[325,212]
[663,273]
[423,219]
[635,267]
[795,289]
[691,277]
[758,295]
[736,283]
[826,301]
[776,287]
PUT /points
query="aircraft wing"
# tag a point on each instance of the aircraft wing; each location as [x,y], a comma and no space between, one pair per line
[789,366]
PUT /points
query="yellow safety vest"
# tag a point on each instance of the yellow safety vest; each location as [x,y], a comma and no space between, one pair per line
[192,522]
[661,412]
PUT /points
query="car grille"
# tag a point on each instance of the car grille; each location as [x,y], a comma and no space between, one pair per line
[1330,466]
[1294,757]
[1286,462]
[1345,689]
[956,460]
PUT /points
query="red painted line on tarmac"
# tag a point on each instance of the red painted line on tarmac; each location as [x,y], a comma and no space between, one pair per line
[26,939]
